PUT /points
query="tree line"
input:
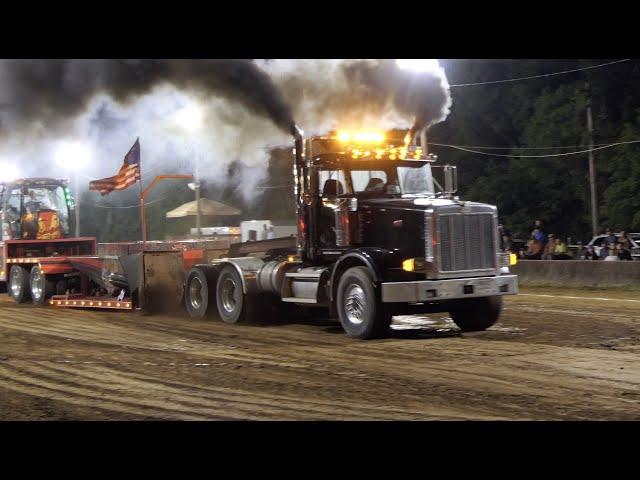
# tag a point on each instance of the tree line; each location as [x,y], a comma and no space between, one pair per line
[515,118]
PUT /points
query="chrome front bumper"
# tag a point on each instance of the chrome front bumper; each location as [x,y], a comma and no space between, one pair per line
[434,290]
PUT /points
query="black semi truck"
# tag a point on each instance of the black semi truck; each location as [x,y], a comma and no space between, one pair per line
[377,236]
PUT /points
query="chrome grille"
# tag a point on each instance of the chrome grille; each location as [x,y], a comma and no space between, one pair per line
[466,242]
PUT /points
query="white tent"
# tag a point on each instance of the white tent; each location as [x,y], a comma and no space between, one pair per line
[207,208]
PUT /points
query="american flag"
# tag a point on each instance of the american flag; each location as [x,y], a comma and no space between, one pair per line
[128,175]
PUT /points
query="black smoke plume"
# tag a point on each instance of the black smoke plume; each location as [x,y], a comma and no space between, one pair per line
[52,92]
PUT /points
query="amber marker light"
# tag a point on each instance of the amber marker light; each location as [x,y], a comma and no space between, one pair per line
[409,265]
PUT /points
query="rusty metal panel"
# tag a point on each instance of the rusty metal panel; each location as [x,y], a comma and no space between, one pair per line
[163,282]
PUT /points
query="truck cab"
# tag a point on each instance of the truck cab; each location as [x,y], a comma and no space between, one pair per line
[378,236]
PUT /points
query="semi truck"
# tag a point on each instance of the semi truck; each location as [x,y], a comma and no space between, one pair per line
[377,236]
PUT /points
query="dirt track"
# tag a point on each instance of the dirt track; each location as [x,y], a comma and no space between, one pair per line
[548,358]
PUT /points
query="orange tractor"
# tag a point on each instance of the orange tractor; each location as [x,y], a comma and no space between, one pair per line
[38,257]
[42,262]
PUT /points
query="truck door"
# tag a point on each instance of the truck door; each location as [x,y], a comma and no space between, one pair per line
[332,186]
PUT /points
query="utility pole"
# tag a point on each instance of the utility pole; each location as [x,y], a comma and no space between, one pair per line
[76,186]
[198,207]
[592,167]
[198,210]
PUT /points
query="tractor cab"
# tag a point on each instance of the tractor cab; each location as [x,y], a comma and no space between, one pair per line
[35,209]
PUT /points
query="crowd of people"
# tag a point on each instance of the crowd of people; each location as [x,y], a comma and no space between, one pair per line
[548,246]
[613,248]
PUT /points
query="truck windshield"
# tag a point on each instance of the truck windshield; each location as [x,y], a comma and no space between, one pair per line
[392,178]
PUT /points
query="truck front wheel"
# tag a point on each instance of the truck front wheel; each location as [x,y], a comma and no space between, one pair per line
[476,314]
[361,314]
[234,305]
[19,284]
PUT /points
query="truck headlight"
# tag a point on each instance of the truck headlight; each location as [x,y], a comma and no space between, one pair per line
[409,265]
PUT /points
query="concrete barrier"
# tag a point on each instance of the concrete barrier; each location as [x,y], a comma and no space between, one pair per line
[577,273]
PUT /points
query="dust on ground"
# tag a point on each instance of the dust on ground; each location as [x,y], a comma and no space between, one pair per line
[550,357]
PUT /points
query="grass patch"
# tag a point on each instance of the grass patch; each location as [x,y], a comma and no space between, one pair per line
[624,292]
[585,288]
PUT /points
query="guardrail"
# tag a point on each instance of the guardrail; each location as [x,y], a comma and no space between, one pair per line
[577,273]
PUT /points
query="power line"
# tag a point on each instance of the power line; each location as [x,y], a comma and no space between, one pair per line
[164,197]
[539,76]
[484,147]
[456,147]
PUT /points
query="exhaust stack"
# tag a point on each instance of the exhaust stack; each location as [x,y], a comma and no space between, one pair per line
[411,138]
[299,190]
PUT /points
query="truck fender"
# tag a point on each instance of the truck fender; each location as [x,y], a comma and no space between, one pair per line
[354,258]
[247,268]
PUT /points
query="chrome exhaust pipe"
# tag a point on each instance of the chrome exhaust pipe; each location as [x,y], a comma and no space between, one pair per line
[299,180]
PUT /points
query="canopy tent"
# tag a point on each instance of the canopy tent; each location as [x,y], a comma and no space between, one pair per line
[207,208]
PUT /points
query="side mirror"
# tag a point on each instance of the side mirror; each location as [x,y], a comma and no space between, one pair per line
[450,179]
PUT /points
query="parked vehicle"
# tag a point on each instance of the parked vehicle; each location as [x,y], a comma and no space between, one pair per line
[598,241]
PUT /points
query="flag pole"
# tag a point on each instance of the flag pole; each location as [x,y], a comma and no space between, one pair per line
[143,221]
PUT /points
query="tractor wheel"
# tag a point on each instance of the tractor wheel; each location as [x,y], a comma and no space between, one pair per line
[19,284]
[40,286]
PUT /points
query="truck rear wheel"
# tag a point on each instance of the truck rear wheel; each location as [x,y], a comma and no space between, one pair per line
[476,314]
[198,286]
[19,284]
[40,286]
[361,314]
[234,305]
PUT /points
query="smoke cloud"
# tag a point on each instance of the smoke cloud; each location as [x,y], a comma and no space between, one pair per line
[247,107]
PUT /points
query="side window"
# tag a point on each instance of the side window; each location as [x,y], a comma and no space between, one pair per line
[13,205]
[598,242]
[332,183]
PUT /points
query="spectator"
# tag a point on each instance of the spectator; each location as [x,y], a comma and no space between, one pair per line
[610,239]
[560,251]
[265,234]
[534,248]
[271,232]
[539,233]
[589,253]
[623,252]
[625,240]
[549,248]
[505,238]
[611,253]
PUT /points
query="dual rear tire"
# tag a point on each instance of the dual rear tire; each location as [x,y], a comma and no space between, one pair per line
[34,285]
[230,302]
